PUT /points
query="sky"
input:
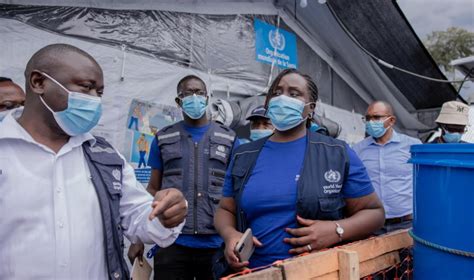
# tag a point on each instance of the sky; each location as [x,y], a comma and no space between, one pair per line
[426,16]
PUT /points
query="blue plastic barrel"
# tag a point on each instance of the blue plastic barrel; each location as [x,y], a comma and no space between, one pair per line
[443,225]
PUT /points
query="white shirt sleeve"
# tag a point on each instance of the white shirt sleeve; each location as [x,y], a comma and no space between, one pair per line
[135,207]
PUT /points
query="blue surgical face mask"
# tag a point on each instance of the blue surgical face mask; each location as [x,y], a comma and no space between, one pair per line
[256,134]
[285,112]
[452,137]
[194,106]
[376,129]
[82,113]
[3,114]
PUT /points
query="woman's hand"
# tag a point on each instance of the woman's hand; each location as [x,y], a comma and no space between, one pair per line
[230,255]
[136,251]
[312,235]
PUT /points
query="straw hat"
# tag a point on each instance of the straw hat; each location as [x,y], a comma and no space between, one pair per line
[454,112]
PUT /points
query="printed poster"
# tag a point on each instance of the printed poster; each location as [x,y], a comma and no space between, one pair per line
[149,117]
[144,120]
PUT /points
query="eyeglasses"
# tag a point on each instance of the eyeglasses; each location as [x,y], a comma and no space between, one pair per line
[369,118]
[187,93]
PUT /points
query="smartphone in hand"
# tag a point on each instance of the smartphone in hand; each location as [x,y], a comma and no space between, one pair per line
[245,247]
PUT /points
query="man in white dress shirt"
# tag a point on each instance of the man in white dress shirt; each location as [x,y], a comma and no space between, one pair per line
[67,197]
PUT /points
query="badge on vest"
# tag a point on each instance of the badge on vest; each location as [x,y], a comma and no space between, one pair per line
[333,177]
[221,151]
[117,174]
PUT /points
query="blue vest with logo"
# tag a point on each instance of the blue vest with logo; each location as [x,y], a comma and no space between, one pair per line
[197,169]
[106,167]
[325,168]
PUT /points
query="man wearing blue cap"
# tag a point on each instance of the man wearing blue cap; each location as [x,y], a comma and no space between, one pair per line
[260,124]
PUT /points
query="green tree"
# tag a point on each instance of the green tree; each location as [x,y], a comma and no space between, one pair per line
[448,45]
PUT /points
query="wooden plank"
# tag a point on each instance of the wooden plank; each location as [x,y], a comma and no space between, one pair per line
[348,265]
[374,254]
[377,246]
[367,267]
[379,263]
[272,273]
[330,276]
[310,266]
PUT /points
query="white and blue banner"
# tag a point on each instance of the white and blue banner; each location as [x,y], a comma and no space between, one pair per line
[272,43]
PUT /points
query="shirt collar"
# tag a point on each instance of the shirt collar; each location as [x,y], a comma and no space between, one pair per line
[395,139]
[11,129]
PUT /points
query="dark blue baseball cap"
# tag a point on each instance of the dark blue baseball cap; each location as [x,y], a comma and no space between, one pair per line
[258,112]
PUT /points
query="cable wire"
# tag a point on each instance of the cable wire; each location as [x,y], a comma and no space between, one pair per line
[460,87]
[380,61]
[465,79]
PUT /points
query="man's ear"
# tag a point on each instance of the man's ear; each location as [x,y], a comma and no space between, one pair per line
[36,82]
[394,120]
[178,101]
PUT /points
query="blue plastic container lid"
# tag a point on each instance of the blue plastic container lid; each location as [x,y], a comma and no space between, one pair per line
[453,155]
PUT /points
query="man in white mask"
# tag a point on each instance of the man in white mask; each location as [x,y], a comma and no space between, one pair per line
[385,153]
[11,96]
[191,155]
[68,198]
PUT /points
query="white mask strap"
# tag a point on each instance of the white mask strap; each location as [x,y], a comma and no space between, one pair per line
[56,82]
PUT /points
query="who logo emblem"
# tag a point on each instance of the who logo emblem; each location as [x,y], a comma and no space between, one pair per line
[277,40]
[332,176]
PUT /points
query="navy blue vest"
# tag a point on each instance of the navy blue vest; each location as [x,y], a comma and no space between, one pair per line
[106,167]
[325,168]
[197,169]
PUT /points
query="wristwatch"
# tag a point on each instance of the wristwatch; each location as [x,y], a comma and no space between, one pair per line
[339,231]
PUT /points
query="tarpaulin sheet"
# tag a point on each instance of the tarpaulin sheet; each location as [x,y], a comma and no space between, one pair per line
[380,26]
[223,45]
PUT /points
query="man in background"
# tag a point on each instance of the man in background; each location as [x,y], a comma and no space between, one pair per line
[191,155]
[260,124]
[11,96]
[453,120]
[385,154]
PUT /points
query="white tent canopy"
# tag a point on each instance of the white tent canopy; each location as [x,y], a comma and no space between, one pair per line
[219,49]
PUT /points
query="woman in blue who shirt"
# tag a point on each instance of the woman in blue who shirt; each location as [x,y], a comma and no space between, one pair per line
[297,190]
